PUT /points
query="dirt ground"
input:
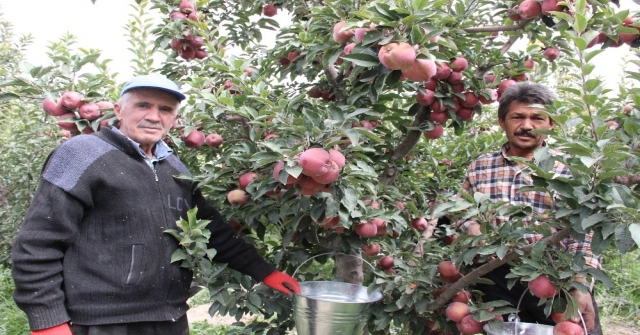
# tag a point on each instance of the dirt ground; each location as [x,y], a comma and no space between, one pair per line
[201,313]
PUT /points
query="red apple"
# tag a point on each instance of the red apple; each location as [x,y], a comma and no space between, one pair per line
[567,328]
[269,10]
[466,114]
[371,249]
[67,121]
[443,71]
[213,140]
[426,98]
[434,133]
[330,176]
[463,297]
[52,108]
[385,262]
[548,6]
[276,173]
[71,100]
[455,78]
[341,36]
[337,157]
[366,229]
[330,222]
[421,70]
[315,162]
[309,186]
[439,118]
[419,223]
[469,326]
[447,268]
[194,140]
[456,311]
[493,96]
[529,9]
[245,179]
[187,7]
[89,111]
[505,84]
[237,197]
[551,54]
[542,287]
[530,63]
[431,84]
[459,64]
[397,55]
[470,100]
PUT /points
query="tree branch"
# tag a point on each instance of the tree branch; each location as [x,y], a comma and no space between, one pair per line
[388,177]
[490,29]
[244,122]
[627,180]
[472,276]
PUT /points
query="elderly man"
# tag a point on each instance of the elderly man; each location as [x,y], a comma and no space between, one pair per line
[500,177]
[91,256]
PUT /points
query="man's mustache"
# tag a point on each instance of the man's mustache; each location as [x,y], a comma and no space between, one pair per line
[525,133]
[147,124]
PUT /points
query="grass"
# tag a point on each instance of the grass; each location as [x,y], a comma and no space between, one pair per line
[621,303]
[12,320]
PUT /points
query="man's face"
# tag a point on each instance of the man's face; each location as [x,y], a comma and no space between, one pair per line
[519,122]
[147,115]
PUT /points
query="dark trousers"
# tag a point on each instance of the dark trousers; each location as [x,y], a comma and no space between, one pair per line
[529,311]
[178,327]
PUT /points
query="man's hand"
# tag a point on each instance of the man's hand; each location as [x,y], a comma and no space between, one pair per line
[585,305]
[282,282]
[62,329]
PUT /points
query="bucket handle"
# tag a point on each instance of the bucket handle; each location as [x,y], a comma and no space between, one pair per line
[513,317]
[328,253]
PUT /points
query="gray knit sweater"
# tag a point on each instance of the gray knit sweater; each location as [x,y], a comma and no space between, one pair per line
[92,248]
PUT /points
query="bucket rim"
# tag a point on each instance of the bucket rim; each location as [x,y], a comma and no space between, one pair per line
[377,293]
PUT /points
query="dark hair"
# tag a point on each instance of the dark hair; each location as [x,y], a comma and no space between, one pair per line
[527,92]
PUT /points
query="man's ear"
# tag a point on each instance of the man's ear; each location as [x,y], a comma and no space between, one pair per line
[501,122]
[117,109]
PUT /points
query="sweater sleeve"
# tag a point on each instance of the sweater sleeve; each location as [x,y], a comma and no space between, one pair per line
[232,249]
[37,254]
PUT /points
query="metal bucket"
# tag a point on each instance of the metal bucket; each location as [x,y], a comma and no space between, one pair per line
[520,328]
[328,307]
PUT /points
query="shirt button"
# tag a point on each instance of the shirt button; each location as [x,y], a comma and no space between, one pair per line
[516,198]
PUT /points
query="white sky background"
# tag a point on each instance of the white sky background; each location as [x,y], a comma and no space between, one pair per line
[101,26]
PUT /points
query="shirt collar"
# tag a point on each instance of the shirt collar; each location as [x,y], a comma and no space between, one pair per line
[160,150]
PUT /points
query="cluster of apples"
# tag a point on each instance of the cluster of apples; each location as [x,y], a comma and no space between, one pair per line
[239,196]
[195,139]
[543,288]
[71,107]
[402,56]
[319,168]
[188,47]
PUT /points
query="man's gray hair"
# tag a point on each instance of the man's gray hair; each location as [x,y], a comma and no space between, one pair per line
[526,92]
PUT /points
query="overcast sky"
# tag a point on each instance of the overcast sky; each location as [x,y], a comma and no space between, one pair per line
[101,26]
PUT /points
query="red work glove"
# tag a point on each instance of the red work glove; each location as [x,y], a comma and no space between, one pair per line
[282,282]
[62,329]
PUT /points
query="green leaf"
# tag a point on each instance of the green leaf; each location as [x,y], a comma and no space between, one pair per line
[8,96]
[362,59]
[593,219]
[178,255]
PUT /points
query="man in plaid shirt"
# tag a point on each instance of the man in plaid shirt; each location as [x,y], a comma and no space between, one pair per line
[500,177]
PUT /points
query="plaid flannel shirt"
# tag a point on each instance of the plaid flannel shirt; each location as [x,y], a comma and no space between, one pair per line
[500,178]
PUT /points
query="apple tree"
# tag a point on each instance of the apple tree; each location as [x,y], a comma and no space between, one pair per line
[348,131]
